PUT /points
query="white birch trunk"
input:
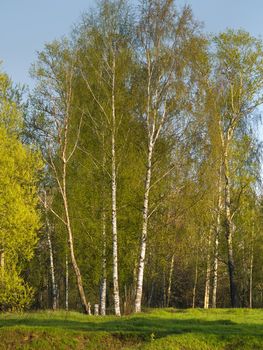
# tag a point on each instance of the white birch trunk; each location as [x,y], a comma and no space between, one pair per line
[51,258]
[66,284]
[195,281]
[85,304]
[52,271]
[215,277]
[63,188]
[170,281]
[216,243]
[229,233]
[96,309]
[208,273]
[138,299]
[116,296]
[61,178]
[104,272]
[156,95]
[2,262]
[251,275]
[2,259]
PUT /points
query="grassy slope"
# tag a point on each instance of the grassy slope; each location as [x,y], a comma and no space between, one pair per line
[158,329]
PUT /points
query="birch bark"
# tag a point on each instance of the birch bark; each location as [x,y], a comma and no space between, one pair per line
[51,258]
[208,273]
[2,259]
[65,156]
[116,295]
[229,229]
[216,243]
[138,299]
[170,281]
[251,271]
[85,304]
[66,284]
[52,272]
[104,266]
[158,35]
[195,281]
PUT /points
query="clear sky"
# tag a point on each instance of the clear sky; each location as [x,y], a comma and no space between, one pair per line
[25,25]
[218,15]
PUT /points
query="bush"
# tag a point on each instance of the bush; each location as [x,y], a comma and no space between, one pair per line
[15,294]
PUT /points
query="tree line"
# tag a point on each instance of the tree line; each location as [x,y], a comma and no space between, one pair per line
[131,177]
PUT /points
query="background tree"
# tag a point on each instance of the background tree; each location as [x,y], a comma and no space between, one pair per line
[20,220]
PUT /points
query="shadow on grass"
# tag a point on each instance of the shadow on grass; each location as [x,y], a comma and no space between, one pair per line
[145,326]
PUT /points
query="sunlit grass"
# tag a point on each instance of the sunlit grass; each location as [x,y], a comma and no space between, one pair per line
[157,329]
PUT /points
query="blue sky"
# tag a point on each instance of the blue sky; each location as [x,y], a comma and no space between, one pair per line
[221,14]
[25,25]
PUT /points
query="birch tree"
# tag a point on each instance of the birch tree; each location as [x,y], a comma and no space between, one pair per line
[51,254]
[239,77]
[20,167]
[208,273]
[216,239]
[147,140]
[163,35]
[55,73]
[107,44]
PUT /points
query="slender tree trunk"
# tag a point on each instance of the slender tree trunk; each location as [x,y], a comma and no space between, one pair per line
[164,290]
[85,304]
[51,258]
[195,281]
[251,276]
[103,287]
[116,295]
[104,266]
[216,243]
[170,281]
[138,299]
[62,184]
[156,116]
[66,284]
[229,228]
[52,270]
[151,295]
[2,262]
[208,273]
[231,271]
[215,277]
[134,286]
[63,189]
[2,259]
[244,287]
[58,295]
[125,300]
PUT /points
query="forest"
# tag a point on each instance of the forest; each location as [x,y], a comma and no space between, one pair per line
[131,175]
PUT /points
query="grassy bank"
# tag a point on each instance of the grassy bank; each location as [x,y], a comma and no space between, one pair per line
[158,329]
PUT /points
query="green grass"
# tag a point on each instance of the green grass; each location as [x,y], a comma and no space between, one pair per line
[167,329]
